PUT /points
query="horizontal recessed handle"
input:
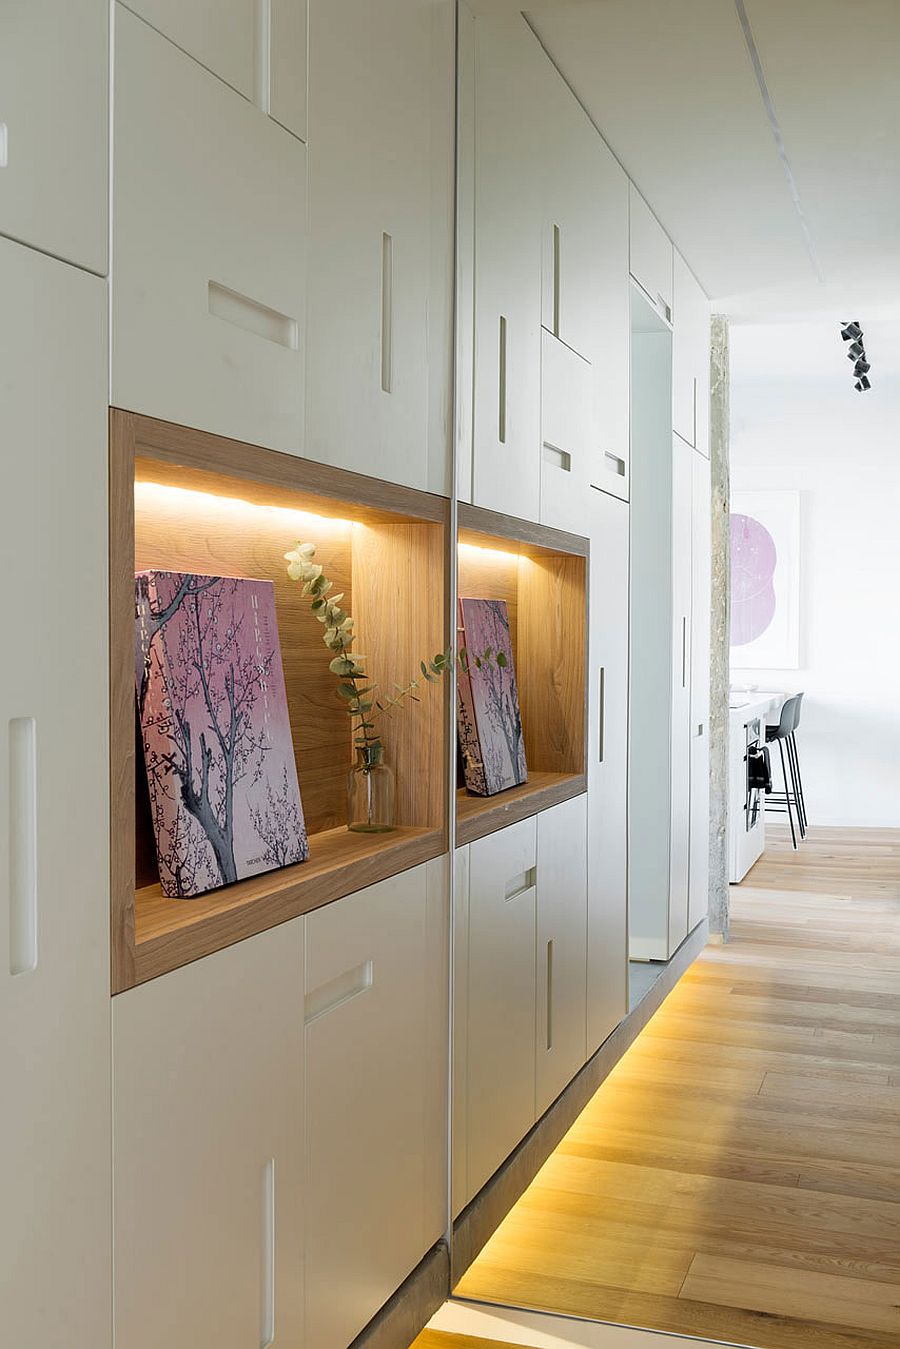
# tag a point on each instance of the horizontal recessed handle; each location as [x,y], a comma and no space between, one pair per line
[558,458]
[614,463]
[517,885]
[333,994]
[243,312]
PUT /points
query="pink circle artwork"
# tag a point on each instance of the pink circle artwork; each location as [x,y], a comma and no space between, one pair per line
[753,560]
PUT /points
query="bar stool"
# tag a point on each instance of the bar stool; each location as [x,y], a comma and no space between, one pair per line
[795,757]
[789,799]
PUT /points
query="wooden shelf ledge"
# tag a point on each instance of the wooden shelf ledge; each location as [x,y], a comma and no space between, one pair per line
[174,932]
[477,816]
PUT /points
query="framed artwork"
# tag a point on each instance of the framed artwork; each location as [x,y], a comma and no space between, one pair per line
[488,716]
[218,752]
[765,580]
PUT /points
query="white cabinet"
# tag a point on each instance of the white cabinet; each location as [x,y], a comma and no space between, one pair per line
[256,46]
[501,997]
[509,206]
[561,948]
[54,99]
[574,205]
[208,249]
[568,434]
[690,359]
[607,799]
[701,581]
[610,459]
[208,1151]
[380,242]
[650,255]
[54,949]
[376,1036]
[680,748]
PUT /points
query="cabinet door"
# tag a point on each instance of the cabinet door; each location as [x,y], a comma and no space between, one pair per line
[508,227]
[679,844]
[573,208]
[568,433]
[611,458]
[501,995]
[208,280]
[54,949]
[561,967]
[257,48]
[376,1030]
[650,255]
[208,1151]
[690,359]
[380,138]
[700,647]
[54,123]
[607,954]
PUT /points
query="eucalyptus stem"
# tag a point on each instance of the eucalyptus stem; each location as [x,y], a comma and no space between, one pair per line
[362,705]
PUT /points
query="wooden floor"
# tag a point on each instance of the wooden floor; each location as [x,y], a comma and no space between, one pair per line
[738,1176]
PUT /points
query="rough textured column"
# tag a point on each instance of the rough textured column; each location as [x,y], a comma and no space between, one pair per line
[721,595]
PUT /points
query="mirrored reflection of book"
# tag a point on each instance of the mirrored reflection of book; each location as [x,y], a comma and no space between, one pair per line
[489,720]
[218,753]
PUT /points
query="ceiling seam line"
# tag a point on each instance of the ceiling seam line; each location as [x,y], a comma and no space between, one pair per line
[768,104]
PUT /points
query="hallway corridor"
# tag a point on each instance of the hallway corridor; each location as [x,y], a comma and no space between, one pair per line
[738,1175]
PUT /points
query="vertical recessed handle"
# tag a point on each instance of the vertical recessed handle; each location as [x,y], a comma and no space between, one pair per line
[267,1267]
[684,652]
[601,717]
[4,146]
[694,440]
[387,311]
[262,92]
[23,947]
[501,410]
[556,280]
[550,994]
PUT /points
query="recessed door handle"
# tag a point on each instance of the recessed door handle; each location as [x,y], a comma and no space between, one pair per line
[22,859]
[501,411]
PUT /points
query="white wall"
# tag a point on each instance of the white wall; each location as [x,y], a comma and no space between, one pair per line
[797,422]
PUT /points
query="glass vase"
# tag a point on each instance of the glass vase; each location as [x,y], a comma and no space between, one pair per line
[370,793]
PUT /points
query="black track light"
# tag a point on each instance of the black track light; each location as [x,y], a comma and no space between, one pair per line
[862,384]
[862,367]
[850,331]
[855,350]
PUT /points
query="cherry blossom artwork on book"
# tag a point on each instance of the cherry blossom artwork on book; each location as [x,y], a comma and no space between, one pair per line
[489,719]
[222,779]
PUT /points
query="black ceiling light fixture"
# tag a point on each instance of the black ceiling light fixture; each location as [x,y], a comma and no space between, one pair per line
[856,352]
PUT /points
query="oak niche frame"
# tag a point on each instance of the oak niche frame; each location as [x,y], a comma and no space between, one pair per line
[391,543]
[542,573]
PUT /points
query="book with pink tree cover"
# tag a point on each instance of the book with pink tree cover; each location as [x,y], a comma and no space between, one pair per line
[489,720]
[222,779]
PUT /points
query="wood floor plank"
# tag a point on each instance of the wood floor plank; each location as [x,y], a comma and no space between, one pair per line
[751,1136]
[778,1291]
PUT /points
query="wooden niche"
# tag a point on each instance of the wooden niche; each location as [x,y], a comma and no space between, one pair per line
[185,500]
[541,573]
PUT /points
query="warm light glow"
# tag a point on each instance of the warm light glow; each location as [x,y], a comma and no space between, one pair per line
[477,553]
[296,524]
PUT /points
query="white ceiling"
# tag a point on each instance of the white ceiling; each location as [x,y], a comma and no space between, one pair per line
[672,86]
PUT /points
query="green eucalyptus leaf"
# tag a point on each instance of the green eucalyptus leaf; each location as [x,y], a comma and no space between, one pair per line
[502,660]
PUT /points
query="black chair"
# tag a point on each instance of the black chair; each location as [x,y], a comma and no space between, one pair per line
[790,799]
[795,757]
